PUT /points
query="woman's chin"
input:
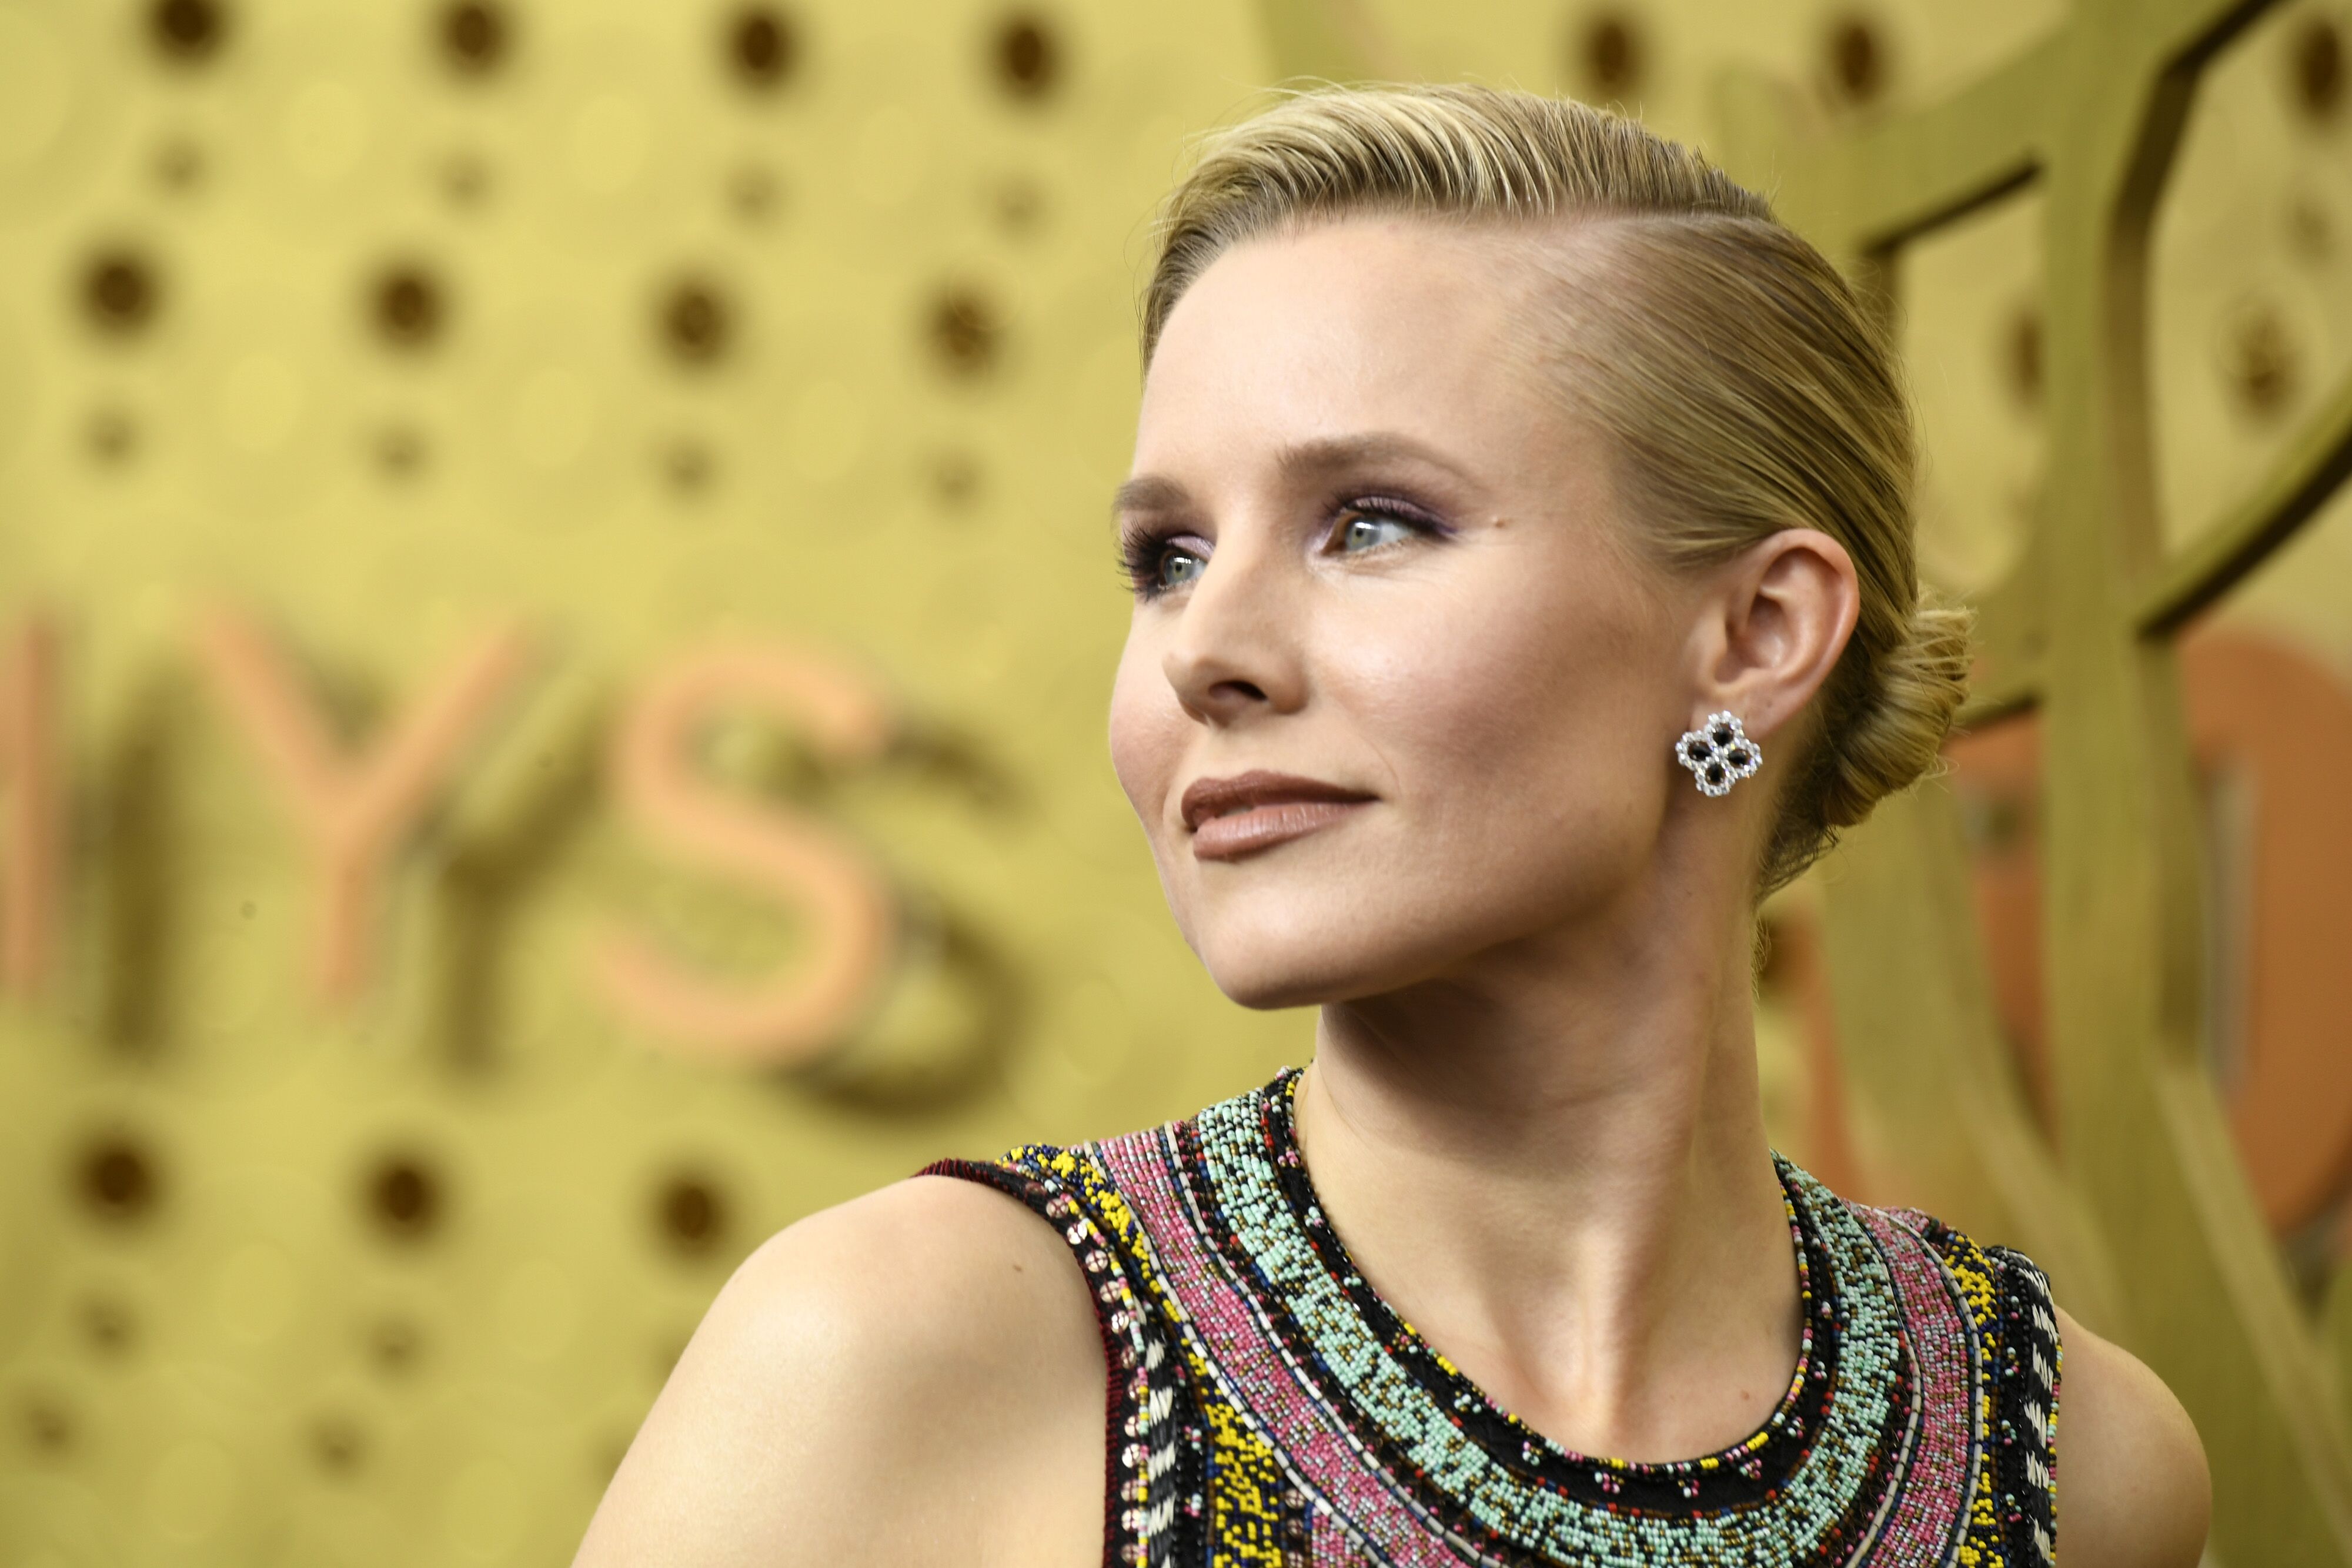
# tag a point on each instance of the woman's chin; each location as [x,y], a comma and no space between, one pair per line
[1267,978]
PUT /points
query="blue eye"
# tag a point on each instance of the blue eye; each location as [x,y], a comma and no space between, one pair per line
[1176,568]
[1154,564]
[1373,529]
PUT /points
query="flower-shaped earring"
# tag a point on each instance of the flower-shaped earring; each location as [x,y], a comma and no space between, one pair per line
[1719,753]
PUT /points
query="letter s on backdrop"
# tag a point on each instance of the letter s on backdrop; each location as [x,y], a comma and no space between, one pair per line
[807,1005]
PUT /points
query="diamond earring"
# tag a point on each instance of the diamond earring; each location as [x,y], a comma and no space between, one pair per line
[1719,753]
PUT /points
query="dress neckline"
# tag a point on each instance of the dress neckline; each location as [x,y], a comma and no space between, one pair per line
[1495,1481]
[1783,1427]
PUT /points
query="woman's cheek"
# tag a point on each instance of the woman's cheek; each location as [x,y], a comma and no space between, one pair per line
[1145,736]
[1463,690]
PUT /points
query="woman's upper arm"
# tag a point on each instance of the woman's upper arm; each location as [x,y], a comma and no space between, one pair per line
[2133,1489]
[914,1377]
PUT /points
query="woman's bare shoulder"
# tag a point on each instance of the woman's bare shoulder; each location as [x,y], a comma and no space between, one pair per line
[2133,1490]
[912,1378]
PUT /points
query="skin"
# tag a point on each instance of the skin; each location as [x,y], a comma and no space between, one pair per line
[1378,554]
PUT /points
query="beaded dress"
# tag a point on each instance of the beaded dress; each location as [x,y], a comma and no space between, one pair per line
[1267,1408]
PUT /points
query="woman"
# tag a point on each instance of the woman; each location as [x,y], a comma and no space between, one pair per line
[1520,535]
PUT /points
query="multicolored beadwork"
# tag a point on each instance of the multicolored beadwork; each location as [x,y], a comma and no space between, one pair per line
[1266,1407]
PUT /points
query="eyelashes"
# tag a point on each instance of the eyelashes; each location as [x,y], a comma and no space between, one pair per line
[1143,561]
[1154,560]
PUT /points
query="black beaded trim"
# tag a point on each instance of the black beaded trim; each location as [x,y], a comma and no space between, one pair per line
[1131,1535]
[2025,1409]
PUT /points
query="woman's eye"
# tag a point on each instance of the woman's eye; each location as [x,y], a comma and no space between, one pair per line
[1370,530]
[1177,568]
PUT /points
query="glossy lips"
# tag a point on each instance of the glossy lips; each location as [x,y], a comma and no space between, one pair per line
[1230,817]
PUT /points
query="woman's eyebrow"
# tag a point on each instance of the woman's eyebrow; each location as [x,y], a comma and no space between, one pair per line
[1150,493]
[1301,461]
[1308,458]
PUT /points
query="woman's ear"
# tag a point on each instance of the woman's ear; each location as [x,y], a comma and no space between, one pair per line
[1783,612]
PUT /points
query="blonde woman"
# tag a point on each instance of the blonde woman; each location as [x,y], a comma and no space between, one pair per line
[1521,542]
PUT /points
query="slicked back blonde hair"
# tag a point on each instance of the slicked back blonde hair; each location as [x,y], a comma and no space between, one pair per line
[1742,387]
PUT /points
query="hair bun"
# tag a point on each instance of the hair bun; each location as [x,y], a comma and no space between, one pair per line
[1897,718]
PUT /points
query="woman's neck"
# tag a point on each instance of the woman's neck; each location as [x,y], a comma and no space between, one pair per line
[1556,1168]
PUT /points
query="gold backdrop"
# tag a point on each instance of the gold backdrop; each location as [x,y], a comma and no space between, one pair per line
[408,409]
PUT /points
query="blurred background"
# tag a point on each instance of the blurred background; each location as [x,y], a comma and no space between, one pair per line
[556,611]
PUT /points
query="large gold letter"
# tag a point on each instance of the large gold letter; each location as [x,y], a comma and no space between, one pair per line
[352,810]
[790,1017]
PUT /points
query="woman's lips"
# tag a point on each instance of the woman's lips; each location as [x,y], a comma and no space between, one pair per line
[1262,827]
[1251,811]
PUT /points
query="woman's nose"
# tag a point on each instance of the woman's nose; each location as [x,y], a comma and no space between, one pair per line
[1235,653]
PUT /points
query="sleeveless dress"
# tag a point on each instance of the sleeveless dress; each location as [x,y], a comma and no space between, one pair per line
[1266,1408]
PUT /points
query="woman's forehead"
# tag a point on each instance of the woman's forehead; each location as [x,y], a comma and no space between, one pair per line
[1378,310]
[1435,266]
[1387,332]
